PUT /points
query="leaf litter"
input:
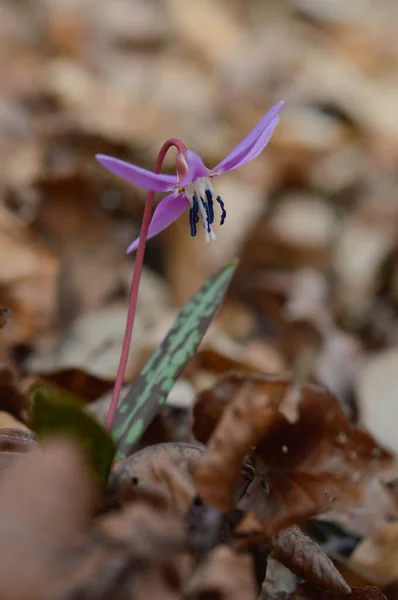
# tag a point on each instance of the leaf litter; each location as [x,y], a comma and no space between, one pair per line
[274,421]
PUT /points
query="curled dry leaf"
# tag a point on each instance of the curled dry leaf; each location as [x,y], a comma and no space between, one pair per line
[299,469]
[225,575]
[304,557]
[161,474]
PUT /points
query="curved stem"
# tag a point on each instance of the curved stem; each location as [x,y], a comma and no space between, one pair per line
[135,283]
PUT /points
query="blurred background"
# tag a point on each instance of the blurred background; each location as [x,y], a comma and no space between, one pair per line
[314,219]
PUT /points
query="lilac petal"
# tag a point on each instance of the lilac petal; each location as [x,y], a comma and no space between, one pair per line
[141,177]
[167,211]
[196,168]
[260,134]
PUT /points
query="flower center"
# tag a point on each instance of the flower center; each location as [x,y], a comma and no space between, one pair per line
[201,195]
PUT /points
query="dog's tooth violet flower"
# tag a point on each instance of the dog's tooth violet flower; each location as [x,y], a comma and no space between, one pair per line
[192,187]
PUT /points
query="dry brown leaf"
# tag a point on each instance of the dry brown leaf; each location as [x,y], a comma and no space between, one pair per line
[304,557]
[224,575]
[241,427]
[300,469]
[211,403]
[82,384]
[161,474]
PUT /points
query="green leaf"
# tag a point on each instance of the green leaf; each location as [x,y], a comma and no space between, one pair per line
[55,412]
[155,381]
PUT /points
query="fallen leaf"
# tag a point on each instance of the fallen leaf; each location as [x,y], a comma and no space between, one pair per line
[161,474]
[304,557]
[298,469]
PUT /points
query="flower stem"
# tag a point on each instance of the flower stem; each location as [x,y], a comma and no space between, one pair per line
[135,283]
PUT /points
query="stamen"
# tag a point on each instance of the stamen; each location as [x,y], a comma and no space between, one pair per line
[206,222]
[210,211]
[192,223]
[223,211]
[204,218]
[194,216]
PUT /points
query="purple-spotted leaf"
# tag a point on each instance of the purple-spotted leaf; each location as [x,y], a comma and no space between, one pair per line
[150,390]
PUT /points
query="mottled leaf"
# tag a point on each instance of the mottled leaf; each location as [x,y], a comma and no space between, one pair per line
[157,378]
[54,412]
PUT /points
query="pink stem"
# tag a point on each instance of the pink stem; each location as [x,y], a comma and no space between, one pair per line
[135,283]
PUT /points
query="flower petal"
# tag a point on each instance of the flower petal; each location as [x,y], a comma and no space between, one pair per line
[257,139]
[141,177]
[167,211]
[196,168]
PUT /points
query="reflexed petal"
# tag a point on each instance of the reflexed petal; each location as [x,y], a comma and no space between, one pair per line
[253,143]
[196,168]
[167,211]
[141,177]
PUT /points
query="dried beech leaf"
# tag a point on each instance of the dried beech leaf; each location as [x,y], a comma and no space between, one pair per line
[161,474]
[318,463]
[300,469]
[80,383]
[225,575]
[241,427]
[210,403]
[304,557]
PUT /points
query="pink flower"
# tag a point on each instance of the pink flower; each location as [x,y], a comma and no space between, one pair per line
[192,187]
